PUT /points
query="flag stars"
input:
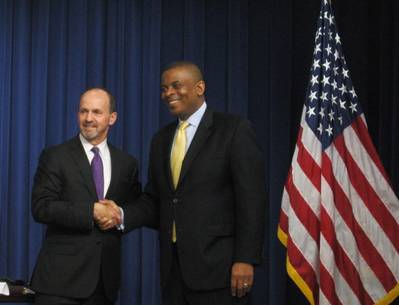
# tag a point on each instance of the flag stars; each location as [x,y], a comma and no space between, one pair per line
[316,64]
[331,19]
[314,80]
[313,96]
[345,73]
[329,130]
[337,39]
[336,54]
[311,112]
[333,99]
[331,115]
[325,80]
[317,48]
[343,89]
[340,120]
[335,70]
[323,96]
[353,107]
[352,91]
[322,114]
[327,64]
[328,49]
[342,104]
[320,128]
[334,84]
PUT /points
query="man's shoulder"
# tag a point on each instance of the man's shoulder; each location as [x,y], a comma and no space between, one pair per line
[62,147]
[224,117]
[121,155]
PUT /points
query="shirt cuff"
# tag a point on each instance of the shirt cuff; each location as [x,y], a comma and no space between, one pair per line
[121,227]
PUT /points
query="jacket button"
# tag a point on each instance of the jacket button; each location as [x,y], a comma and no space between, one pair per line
[175,200]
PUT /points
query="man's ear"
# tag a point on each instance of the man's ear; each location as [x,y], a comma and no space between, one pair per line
[113,118]
[200,88]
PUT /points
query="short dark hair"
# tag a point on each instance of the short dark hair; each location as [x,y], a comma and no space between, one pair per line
[186,64]
[112,101]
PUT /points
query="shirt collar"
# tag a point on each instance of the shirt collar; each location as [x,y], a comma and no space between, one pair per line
[196,117]
[88,146]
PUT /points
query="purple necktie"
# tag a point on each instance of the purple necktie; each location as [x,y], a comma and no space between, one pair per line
[97,171]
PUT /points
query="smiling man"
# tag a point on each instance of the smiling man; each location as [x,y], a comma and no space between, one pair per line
[79,262]
[205,194]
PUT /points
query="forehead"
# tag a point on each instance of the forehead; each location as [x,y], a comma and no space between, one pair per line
[179,74]
[94,99]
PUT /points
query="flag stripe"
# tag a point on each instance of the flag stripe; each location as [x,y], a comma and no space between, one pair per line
[359,126]
[340,259]
[371,200]
[343,205]
[348,243]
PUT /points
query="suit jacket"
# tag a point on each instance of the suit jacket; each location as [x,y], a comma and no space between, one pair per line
[218,205]
[75,252]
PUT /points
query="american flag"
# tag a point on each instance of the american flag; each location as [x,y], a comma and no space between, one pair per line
[339,215]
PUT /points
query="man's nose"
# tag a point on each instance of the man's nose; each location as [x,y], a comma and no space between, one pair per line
[89,116]
[169,91]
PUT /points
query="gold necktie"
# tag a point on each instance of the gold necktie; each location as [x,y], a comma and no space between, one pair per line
[176,160]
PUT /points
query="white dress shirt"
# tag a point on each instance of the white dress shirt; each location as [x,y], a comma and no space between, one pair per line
[193,123]
[105,157]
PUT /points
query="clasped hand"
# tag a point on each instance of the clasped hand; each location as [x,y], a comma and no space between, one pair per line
[107,214]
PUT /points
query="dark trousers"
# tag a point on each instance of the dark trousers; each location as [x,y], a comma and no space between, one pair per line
[97,298]
[177,293]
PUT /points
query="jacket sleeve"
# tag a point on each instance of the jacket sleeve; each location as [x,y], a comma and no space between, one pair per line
[248,174]
[144,211]
[48,203]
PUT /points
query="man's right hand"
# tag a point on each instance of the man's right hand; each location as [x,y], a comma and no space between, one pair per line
[106,214]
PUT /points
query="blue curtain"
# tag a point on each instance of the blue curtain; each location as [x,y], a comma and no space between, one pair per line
[256,56]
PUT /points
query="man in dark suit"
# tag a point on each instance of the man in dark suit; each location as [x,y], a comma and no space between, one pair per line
[208,201]
[79,262]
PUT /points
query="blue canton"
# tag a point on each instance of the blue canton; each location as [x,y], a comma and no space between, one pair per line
[331,101]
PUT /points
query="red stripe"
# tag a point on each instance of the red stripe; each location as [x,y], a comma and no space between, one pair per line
[370,198]
[304,213]
[327,285]
[303,268]
[366,248]
[283,223]
[342,261]
[308,165]
[361,130]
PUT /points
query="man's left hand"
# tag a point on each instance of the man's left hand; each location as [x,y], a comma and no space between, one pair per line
[242,278]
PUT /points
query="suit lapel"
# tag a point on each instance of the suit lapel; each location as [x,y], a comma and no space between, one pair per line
[202,133]
[115,171]
[166,151]
[79,156]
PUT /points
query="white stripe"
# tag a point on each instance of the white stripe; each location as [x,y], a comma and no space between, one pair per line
[285,202]
[303,241]
[323,299]
[371,171]
[362,215]
[305,187]
[342,289]
[311,143]
[347,241]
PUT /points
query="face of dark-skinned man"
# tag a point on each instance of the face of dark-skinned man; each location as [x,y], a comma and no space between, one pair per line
[182,91]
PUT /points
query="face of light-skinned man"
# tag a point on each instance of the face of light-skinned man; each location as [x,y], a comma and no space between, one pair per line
[95,116]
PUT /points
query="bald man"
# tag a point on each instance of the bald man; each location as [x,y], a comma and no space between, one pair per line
[79,262]
[205,194]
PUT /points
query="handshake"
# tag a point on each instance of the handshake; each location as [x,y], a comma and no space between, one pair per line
[107,214]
